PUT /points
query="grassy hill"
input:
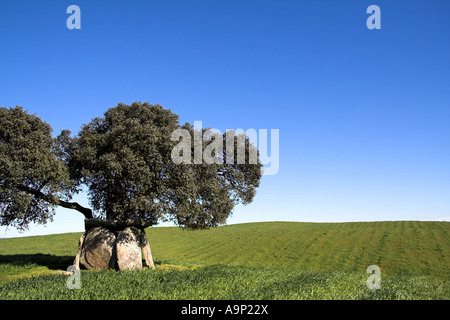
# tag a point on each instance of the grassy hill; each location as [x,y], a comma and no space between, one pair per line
[267,250]
[400,246]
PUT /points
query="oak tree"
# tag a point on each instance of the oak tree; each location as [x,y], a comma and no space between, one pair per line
[124,159]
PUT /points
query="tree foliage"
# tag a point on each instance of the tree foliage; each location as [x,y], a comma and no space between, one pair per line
[33,177]
[124,159]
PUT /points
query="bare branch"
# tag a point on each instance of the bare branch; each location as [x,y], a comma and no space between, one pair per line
[54,200]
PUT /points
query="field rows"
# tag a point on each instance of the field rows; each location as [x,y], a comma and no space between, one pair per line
[404,246]
[276,260]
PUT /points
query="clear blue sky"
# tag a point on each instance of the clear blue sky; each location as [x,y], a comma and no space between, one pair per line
[363,115]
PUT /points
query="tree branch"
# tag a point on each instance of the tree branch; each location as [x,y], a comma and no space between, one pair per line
[76,206]
[54,200]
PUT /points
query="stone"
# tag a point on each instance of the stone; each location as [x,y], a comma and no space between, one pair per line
[98,250]
[76,262]
[146,250]
[128,249]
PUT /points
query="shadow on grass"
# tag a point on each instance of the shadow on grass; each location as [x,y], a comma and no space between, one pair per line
[50,261]
[47,260]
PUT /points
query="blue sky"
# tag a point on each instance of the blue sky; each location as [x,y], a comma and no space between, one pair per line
[363,115]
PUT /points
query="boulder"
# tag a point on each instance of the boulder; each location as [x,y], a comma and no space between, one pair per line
[128,249]
[146,250]
[98,250]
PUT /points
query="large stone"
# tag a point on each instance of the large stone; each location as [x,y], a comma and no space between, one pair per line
[128,249]
[76,262]
[98,250]
[146,250]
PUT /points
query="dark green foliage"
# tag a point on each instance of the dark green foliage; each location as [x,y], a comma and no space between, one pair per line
[125,160]
[209,192]
[32,175]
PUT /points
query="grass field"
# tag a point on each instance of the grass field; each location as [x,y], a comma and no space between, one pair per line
[270,260]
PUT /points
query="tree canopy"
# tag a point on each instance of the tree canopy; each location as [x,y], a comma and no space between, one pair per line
[125,159]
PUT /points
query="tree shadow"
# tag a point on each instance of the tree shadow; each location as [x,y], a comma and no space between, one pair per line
[47,260]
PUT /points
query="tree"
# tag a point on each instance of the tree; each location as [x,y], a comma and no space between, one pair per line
[34,178]
[125,160]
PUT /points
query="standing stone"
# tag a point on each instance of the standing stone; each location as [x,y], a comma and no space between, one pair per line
[76,262]
[98,249]
[146,250]
[128,249]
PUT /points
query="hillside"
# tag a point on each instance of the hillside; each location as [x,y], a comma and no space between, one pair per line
[395,246]
[407,247]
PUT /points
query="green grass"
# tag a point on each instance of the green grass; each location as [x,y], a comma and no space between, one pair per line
[276,260]
[396,247]
[225,282]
